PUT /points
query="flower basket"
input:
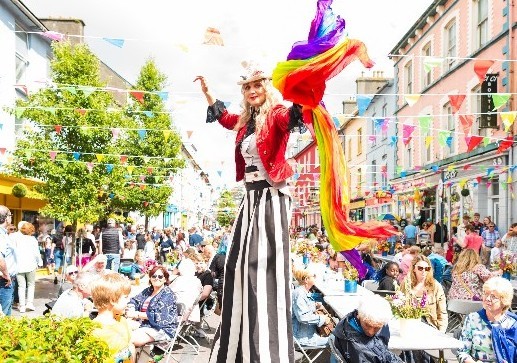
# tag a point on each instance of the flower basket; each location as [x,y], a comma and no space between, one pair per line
[19,190]
[507,262]
[465,192]
[383,247]
[350,273]
[408,306]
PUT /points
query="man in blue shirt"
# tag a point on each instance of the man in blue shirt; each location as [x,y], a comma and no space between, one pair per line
[7,262]
[438,261]
[410,232]
[194,238]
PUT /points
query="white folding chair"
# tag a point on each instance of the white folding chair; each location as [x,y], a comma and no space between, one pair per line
[205,312]
[310,353]
[185,334]
[458,310]
[165,345]
[370,284]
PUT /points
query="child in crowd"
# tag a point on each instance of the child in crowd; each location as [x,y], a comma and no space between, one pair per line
[110,297]
[48,252]
[138,268]
[496,251]
[387,277]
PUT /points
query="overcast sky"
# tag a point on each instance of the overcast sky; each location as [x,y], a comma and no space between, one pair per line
[172,32]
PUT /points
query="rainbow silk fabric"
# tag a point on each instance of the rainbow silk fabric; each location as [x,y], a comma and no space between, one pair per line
[302,80]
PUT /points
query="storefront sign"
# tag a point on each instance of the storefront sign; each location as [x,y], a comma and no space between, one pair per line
[488,118]
[382,194]
[358,204]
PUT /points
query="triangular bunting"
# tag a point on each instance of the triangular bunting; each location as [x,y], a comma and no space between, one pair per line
[466,122]
[412,99]
[123,159]
[189,133]
[481,67]
[142,133]
[505,144]
[116,42]
[52,155]
[57,128]
[76,155]
[99,157]
[363,101]
[473,142]
[456,102]
[166,134]
[508,119]
[500,99]
[89,166]
[139,95]
[53,35]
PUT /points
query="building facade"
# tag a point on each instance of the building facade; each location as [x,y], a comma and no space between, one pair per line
[442,106]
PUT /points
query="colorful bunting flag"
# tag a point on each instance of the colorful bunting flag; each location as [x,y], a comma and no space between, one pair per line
[52,155]
[89,166]
[363,101]
[407,130]
[213,37]
[116,42]
[500,99]
[139,95]
[508,119]
[505,144]
[57,128]
[481,67]
[142,133]
[473,142]
[412,99]
[53,35]
[425,123]
[431,62]
[456,102]
[466,122]
[166,134]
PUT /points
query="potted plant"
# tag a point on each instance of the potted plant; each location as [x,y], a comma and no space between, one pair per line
[51,339]
[507,262]
[383,247]
[465,192]
[19,190]
[351,275]
[408,309]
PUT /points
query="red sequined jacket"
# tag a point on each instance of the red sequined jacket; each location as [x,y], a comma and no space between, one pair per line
[271,142]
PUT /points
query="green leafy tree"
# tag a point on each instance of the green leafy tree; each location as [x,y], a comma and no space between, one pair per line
[157,143]
[69,142]
[226,209]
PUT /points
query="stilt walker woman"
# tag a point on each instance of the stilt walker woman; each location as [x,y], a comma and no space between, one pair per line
[256,307]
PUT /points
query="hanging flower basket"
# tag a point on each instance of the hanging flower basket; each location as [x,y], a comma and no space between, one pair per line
[465,192]
[19,190]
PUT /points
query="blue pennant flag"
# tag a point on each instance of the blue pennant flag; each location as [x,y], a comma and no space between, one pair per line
[148,113]
[116,42]
[164,96]
[141,134]
[363,101]
[434,168]
[489,171]
[76,155]
[336,122]
[378,122]
[394,140]
[109,168]
[448,141]
[403,174]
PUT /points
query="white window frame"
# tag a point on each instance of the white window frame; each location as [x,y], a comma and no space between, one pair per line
[450,42]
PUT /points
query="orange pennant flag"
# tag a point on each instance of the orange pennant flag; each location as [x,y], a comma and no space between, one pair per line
[189,133]
[139,95]
[466,122]
[473,141]
[57,128]
[456,101]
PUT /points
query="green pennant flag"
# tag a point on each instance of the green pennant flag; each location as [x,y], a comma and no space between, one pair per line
[486,141]
[425,123]
[399,169]
[442,138]
[19,111]
[71,89]
[504,185]
[430,63]
[87,90]
[500,99]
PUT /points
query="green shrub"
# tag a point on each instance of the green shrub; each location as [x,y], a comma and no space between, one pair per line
[19,190]
[50,339]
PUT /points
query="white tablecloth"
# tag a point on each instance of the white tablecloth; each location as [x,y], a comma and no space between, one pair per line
[424,337]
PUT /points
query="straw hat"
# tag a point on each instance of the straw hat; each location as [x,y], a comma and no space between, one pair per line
[252,73]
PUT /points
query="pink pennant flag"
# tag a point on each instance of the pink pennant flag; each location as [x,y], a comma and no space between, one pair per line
[456,101]
[139,95]
[467,167]
[481,67]
[407,130]
[488,184]
[2,150]
[372,139]
[53,35]
[52,155]
[145,203]
[89,166]
[466,122]
[123,159]
[115,132]
[57,128]
[142,178]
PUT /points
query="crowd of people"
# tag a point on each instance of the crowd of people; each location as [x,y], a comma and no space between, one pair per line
[422,270]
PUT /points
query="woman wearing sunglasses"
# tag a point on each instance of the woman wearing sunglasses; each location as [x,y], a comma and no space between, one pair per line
[155,307]
[420,283]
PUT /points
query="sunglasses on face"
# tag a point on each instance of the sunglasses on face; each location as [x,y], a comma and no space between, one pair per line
[73,273]
[158,277]
[422,268]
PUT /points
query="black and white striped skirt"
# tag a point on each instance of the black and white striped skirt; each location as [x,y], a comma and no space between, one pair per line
[256,321]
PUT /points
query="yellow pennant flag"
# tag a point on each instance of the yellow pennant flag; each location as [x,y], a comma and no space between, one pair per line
[99,157]
[508,119]
[130,169]
[412,99]
[166,134]
[428,141]
[450,168]
[462,183]
[510,180]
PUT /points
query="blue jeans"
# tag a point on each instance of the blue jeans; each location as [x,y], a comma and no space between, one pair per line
[58,259]
[113,263]
[7,295]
